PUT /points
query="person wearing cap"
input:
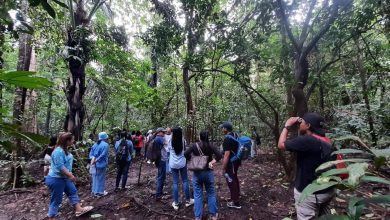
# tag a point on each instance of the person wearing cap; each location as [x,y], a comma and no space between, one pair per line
[311,152]
[99,158]
[230,148]
[160,163]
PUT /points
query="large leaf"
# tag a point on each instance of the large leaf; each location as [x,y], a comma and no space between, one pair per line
[354,209]
[61,4]
[374,179]
[381,152]
[348,151]
[356,205]
[48,8]
[24,79]
[334,162]
[335,172]
[356,171]
[334,217]
[315,187]
[382,199]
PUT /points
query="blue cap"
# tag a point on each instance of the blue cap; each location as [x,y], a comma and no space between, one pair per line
[103,136]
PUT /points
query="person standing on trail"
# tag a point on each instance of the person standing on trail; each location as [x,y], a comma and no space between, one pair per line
[178,165]
[138,143]
[256,141]
[149,137]
[204,177]
[60,179]
[92,167]
[123,156]
[168,146]
[160,162]
[313,148]
[230,169]
[100,160]
[46,154]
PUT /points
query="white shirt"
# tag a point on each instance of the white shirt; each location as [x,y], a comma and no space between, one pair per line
[168,142]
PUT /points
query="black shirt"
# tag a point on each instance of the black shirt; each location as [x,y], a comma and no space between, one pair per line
[309,157]
[231,145]
[207,151]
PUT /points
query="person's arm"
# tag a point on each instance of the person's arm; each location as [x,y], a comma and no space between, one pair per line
[103,154]
[283,136]
[188,152]
[226,158]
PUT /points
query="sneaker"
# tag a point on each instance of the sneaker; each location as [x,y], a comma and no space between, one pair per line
[190,203]
[175,206]
[234,205]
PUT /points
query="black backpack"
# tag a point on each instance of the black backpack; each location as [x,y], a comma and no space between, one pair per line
[122,153]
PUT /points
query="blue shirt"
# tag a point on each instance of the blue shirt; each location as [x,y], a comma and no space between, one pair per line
[59,162]
[160,143]
[101,154]
[129,145]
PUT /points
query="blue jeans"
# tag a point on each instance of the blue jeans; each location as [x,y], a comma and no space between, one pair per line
[57,187]
[161,174]
[199,179]
[122,172]
[184,178]
[100,180]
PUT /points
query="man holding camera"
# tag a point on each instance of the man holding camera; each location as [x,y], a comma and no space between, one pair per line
[313,149]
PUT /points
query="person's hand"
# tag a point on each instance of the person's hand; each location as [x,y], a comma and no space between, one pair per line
[211,165]
[291,121]
[72,178]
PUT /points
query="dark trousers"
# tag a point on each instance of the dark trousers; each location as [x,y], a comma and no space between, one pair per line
[122,172]
[234,186]
[138,151]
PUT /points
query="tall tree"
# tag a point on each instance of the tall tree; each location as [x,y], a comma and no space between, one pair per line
[303,44]
[79,55]
[24,59]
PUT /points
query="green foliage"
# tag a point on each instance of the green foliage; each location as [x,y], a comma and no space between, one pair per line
[24,79]
[358,171]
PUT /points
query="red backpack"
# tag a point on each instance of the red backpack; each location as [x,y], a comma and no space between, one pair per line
[338,156]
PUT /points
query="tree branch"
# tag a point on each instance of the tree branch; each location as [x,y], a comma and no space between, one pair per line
[305,29]
[287,26]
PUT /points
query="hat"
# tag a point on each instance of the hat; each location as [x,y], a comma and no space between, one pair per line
[316,121]
[103,136]
[150,131]
[160,130]
[227,125]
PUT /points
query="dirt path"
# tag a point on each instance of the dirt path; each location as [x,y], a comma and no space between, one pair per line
[264,196]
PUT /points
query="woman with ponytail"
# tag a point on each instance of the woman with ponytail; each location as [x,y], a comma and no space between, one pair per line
[178,165]
[60,179]
[204,177]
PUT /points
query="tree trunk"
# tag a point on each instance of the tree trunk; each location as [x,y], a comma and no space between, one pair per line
[363,81]
[48,113]
[75,87]
[30,124]
[189,106]
[126,121]
[24,59]
[2,41]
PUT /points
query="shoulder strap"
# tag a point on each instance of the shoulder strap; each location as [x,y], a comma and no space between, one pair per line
[200,151]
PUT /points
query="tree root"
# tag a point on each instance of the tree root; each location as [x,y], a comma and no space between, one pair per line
[12,191]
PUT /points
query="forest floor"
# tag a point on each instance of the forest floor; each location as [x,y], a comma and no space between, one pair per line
[265,195]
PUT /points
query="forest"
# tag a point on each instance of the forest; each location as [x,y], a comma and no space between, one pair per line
[114,66]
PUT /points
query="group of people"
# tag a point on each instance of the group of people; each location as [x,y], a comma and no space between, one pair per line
[173,156]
